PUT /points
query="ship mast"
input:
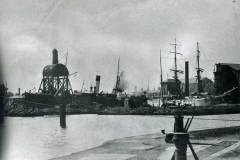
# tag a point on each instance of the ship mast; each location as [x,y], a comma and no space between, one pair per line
[199,70]
[66,60]
[118,67]
[161,78]
[175,70]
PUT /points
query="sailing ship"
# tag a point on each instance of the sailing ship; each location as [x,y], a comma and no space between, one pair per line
[119,85]
[199,98]
[180,98]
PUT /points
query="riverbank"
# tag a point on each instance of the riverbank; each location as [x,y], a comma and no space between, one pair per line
[21,110]
[226,145]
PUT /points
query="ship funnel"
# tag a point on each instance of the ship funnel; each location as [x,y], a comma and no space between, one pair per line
[19,91]
[54,56]
[97,83]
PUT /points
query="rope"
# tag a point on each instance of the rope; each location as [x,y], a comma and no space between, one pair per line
[216,119]
[205,119]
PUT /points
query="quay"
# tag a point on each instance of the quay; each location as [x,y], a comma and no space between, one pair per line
[217,144]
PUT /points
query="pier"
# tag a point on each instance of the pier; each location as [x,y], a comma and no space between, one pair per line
[219,144]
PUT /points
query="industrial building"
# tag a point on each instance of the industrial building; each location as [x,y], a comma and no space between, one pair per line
[227,77]
[169,87]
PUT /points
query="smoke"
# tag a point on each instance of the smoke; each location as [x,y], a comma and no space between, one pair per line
[123,82]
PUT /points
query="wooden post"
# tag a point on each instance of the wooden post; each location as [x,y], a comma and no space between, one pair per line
[63,116]
[2,94]
[186,79]
[126,105]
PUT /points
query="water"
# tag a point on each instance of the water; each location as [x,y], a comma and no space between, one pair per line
[41,138]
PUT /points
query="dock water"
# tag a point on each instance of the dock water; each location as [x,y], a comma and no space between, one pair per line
[41,138]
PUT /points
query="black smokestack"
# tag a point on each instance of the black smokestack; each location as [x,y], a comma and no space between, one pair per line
[19,91]
[97,83]
[54,56]
[186,78]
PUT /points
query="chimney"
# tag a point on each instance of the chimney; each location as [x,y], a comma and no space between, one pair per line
[186,78]
[97,83]
[91,88]
[54,56]
[19,91]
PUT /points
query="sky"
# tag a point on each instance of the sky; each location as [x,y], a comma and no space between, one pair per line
[95,33]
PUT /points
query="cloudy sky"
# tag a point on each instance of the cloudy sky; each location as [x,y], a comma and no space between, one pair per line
[97,32]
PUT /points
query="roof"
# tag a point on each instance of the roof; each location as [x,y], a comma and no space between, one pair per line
[55,70]
[191,80]
[169,81]
[16,97]
[233,66]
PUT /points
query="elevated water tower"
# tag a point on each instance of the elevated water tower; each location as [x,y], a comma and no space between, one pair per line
[55,81]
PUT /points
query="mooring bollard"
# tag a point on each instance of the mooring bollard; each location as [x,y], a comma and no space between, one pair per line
[63,116]
[180,139]
[178,123]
